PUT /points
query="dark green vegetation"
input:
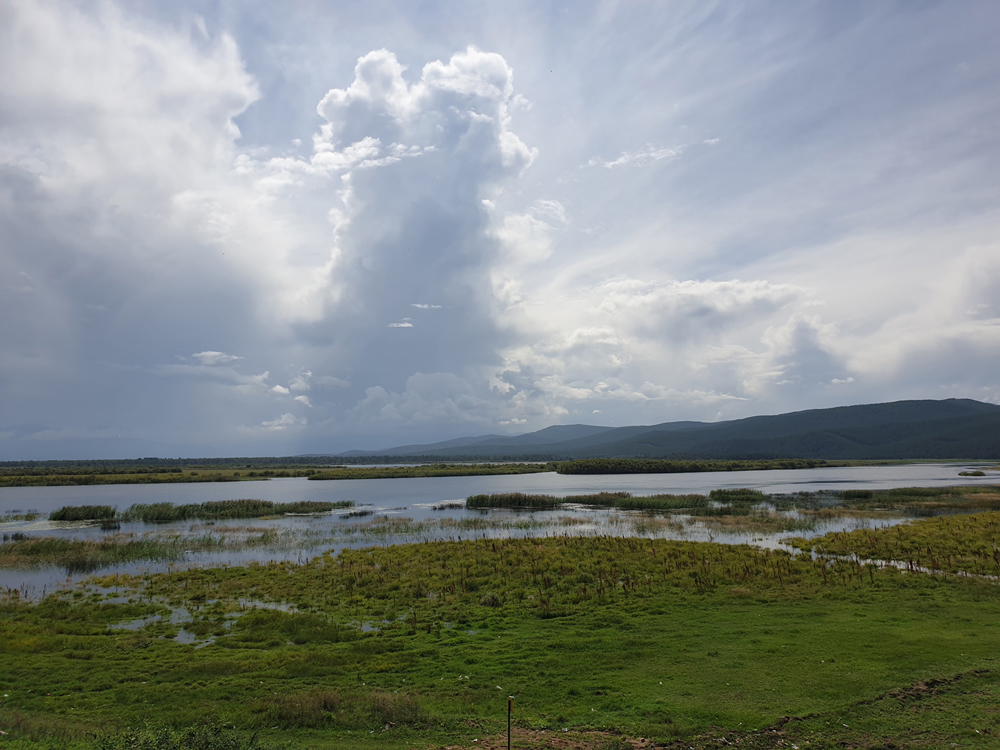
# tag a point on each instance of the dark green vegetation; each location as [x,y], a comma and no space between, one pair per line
[158,471]
[83,513]
[621,500]
[225,509]
[649,637]
[665,466]
[947,429]
[513,500]
[212,510]
[432,470]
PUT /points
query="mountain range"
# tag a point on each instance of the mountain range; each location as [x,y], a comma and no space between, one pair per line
[927,429]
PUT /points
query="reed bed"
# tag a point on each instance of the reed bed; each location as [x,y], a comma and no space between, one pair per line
[620,500]
[83,513]
[225,509]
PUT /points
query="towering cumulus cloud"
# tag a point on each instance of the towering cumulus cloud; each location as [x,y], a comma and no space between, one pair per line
[412,234]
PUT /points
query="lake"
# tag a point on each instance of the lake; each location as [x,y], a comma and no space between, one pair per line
[397,492]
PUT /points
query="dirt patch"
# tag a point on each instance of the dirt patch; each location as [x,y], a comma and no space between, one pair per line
[544,739]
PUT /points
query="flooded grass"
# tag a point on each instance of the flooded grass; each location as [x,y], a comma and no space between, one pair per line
[25,552]
[759,522]
[16,515]
[76,555]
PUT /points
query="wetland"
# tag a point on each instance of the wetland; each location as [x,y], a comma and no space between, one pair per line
[617,613]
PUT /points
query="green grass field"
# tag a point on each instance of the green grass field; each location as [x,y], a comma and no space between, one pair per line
[611,639]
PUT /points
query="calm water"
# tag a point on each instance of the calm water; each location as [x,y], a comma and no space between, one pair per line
[431,490]
[303,537]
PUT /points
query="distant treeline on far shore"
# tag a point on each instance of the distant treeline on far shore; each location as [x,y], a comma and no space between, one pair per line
[155,471]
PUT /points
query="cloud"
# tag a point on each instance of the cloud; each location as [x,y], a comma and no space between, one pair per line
[284,422]
[639,158]
[303,400]
[165,186]
[214,358]
[301,381]
[328,381]
[426,399]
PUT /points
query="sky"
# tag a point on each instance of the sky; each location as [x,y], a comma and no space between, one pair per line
[256,228]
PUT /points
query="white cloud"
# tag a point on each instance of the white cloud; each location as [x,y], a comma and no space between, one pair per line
[303,400]
[422,306]
[214,358]
[301,381]
[639,158]
[280,390]
[284,422]
[427,399]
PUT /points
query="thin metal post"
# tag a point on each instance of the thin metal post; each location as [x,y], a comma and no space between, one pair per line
[510,710]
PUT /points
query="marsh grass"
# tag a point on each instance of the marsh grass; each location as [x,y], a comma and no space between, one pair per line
[741,496]
[924,499]
[955,543]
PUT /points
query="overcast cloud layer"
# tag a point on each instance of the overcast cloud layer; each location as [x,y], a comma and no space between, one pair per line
[264,228]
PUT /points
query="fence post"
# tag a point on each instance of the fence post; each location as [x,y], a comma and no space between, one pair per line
[510,710]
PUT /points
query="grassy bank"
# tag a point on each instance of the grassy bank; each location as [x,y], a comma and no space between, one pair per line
[56,474]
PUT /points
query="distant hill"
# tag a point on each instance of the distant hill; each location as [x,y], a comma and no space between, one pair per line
[951,428]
